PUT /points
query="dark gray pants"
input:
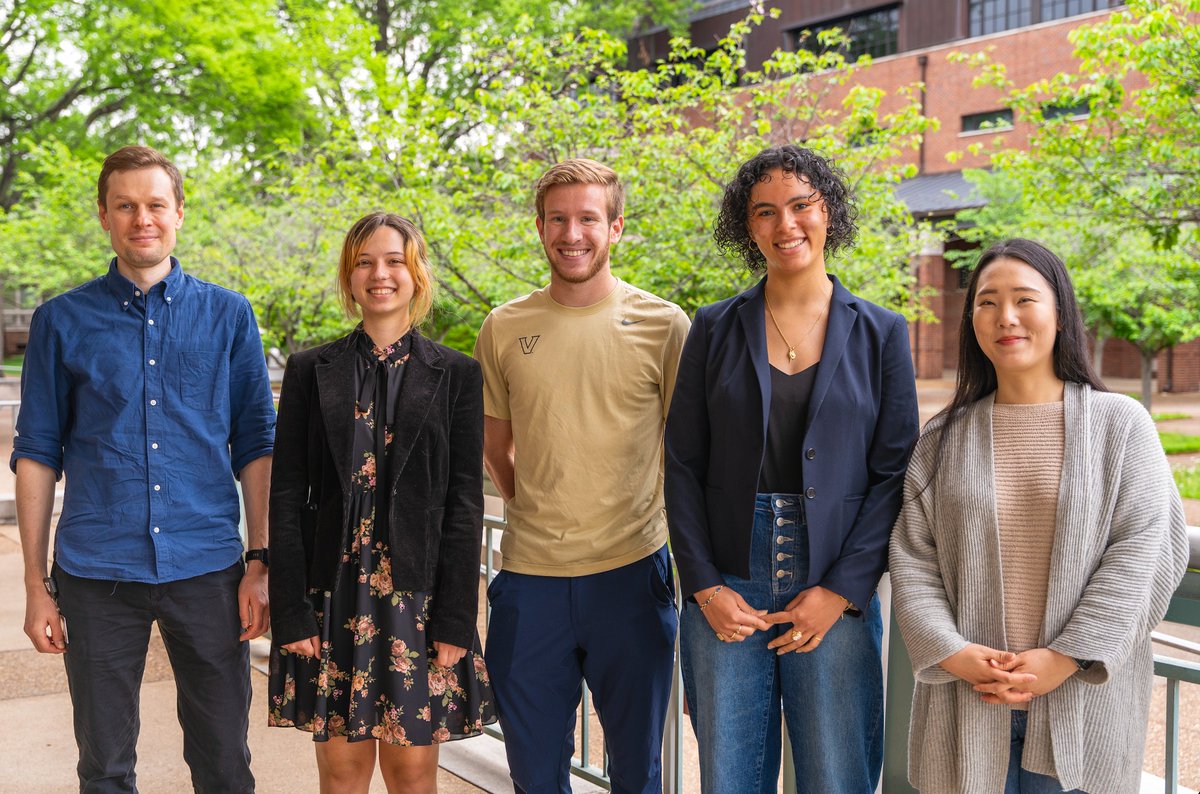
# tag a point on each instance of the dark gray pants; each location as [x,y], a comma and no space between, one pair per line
[108,632]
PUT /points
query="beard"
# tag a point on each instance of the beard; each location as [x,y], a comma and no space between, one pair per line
[575,275]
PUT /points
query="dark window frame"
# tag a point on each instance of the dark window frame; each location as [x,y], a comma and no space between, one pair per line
[1079,110]
[878,46]
[999,120]
[985,17]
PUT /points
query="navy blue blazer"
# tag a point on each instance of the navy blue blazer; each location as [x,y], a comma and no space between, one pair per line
[862,423]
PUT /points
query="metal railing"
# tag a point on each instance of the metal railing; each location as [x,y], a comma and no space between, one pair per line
[1184,609]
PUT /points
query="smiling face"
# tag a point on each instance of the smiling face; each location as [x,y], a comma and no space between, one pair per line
[1015,319]
[141,217]
[380,280]
[788,222]
[577,233]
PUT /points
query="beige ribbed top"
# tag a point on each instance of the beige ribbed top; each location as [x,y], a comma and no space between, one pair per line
[1028,457]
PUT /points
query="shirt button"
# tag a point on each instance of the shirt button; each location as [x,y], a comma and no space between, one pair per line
[168,299]
[811,453]
[156,530]
[780,540]
[154,402]
[780,503]
[152,362]
[124,303]
[780,574]
[137,294]
[780,522]
[158,487]
[154,445]
[781,556]
[151,322]
[811,493]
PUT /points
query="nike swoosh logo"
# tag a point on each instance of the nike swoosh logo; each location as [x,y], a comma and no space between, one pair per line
[627,321]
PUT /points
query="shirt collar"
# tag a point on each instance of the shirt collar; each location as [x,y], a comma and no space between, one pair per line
[125,290]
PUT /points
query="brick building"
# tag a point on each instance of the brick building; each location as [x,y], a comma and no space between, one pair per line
[909,41]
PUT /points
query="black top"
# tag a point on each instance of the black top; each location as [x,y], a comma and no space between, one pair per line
[783,459]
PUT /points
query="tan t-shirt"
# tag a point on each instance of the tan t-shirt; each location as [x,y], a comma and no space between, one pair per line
[586,390]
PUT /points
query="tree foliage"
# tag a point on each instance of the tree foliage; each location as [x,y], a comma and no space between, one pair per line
[1116,192]
[458,145]
[189,76]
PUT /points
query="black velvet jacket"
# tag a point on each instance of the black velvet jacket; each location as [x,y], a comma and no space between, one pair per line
[436,481]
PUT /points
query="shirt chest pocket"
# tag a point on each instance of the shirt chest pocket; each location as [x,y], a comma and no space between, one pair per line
[203,376]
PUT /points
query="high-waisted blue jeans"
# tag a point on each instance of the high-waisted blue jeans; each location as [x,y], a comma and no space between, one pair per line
[832,697]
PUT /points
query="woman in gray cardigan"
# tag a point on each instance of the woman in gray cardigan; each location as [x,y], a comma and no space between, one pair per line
[1040,541]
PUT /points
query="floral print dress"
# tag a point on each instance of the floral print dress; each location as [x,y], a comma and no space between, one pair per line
[376,676]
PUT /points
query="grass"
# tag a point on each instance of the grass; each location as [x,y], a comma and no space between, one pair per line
[1188,481]
[1169,417]
[1179,443]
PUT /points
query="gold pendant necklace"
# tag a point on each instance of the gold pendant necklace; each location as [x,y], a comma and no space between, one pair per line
[791,354]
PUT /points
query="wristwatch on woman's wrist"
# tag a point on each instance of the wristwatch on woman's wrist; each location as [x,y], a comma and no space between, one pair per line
[257,554]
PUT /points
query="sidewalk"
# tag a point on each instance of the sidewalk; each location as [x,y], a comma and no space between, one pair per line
[40,753]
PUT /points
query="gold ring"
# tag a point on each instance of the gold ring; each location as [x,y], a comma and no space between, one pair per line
[797,635]
[720,636]
[817,639]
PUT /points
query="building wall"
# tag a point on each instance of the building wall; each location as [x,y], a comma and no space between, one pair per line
[930,32]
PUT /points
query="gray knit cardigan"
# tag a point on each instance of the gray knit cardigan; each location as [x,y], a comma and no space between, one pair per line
[1119,551]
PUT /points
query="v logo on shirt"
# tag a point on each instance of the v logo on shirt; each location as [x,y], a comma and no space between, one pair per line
[528,342]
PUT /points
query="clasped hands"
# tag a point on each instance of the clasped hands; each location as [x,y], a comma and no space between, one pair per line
[1007,677]
[811,614]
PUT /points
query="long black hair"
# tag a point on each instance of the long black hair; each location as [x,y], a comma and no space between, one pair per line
[731,231]
[976,375]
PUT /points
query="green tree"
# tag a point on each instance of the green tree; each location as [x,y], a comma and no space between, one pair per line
[1121,184]
[674,133]
[1128,287]
[188,76]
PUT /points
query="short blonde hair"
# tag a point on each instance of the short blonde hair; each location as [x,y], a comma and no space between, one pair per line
[415,257]
[581,171]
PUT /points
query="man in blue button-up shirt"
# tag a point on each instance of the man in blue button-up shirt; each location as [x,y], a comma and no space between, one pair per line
[147,388]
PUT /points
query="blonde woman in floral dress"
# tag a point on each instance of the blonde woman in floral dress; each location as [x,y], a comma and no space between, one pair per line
[376,514]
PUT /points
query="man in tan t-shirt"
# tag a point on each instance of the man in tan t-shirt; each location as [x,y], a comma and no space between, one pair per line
[577,380]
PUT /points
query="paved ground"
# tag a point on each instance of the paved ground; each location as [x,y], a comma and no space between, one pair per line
[39,756]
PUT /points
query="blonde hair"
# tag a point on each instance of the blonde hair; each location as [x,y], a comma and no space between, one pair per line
[415,258]
[581,171]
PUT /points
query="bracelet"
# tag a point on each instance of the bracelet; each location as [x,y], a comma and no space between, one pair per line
[849,609]
[708,600]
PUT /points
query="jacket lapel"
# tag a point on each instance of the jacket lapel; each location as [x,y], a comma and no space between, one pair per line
[422,379]
[754,326]
[842,316]
[335,388]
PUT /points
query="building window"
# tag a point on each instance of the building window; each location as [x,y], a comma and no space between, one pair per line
[1072,111]
[874,33]
[993,16]
[1061,9]
[991,121]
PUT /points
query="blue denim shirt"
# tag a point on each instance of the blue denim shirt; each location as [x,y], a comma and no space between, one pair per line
[150,404]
